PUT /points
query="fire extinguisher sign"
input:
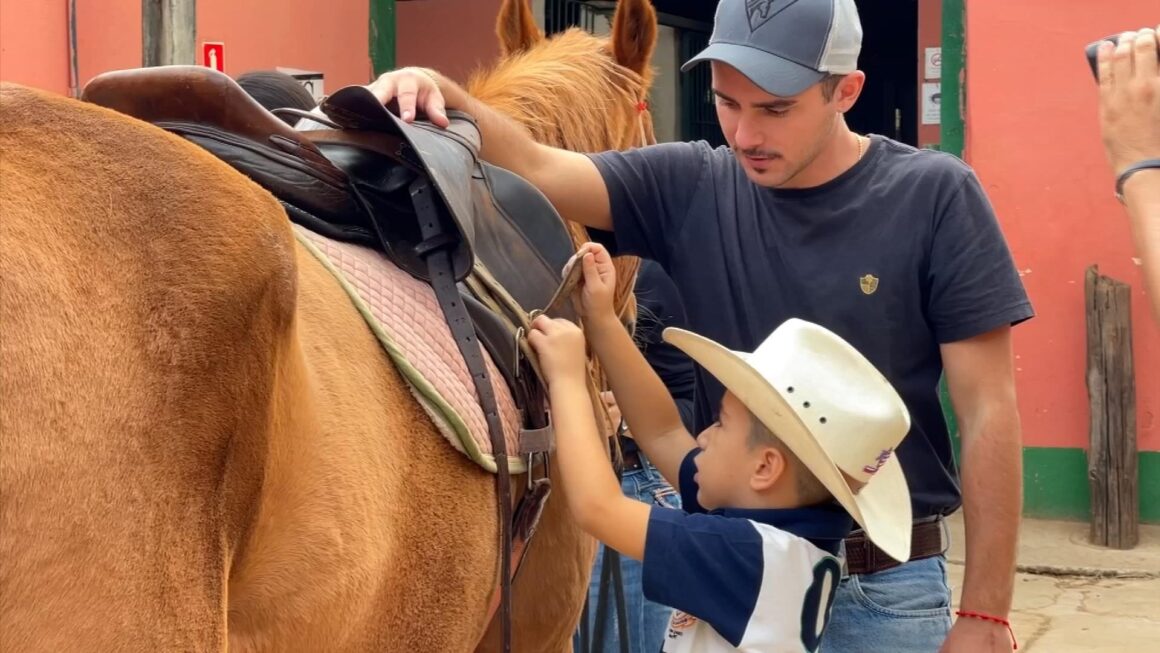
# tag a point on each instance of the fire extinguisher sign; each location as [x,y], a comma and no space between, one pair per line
[213,55]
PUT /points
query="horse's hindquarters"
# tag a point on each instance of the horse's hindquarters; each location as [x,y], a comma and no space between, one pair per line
[384,533]
[141,306]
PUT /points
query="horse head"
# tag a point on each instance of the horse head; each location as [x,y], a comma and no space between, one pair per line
[602,104]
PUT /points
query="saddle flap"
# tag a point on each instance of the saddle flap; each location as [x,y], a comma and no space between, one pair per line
[447,156]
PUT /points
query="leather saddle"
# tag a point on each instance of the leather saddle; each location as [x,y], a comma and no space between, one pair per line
[492,247]
[351,182]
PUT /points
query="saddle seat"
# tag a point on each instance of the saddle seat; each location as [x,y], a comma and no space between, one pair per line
[351,182]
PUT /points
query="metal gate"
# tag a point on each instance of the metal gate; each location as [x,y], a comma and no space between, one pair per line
[559,15]
[698,113]
[698,108]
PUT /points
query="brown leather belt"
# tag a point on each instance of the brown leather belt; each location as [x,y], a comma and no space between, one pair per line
[632,461]
[862,557]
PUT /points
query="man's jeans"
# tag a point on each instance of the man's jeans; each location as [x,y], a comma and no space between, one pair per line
[647,621]
[901,610]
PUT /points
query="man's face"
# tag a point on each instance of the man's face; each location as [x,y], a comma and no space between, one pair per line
[774,138]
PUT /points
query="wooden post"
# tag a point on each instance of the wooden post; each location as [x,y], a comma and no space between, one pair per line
[1112,391]
[168,32]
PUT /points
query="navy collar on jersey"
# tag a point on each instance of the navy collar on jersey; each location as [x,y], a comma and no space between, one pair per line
[824,525]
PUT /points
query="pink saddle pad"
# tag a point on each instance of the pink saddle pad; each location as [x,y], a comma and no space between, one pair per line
[405,317]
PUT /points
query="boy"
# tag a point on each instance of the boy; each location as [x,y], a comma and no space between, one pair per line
[751,562]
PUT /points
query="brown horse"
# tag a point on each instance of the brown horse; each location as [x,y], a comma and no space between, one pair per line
[203,445]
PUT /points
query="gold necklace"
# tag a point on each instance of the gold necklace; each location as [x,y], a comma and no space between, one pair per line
[859,148]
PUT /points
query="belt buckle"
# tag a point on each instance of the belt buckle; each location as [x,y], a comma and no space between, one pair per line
[636,461]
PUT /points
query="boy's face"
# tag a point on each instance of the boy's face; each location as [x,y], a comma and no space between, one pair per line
[726,462]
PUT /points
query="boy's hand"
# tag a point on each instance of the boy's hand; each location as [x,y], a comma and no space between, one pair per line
[599,287]
[560,346]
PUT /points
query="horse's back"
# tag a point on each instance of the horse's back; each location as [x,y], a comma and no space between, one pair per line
[144,290]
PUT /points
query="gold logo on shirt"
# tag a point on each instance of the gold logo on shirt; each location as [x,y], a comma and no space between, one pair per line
[869,284]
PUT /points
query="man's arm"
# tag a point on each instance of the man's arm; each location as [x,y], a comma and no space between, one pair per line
[1142,197]
[569,180]
[1130,122]
[981,379]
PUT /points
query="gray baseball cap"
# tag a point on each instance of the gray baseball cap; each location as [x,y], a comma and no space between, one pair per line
[785,46]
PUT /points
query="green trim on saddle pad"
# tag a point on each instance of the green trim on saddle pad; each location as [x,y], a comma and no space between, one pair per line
[433,403]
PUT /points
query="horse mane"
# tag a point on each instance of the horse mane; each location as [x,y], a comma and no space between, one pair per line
[567,91]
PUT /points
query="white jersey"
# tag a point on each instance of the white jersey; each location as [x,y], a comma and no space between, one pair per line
[743,580]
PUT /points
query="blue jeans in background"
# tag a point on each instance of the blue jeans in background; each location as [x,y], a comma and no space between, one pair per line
[647,621]
[906,609]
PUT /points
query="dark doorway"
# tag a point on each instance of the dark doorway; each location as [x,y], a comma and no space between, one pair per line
[890,58]
[889,102]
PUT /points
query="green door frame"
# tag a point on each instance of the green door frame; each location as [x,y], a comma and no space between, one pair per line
[954,56]
[382,36]
[953,79]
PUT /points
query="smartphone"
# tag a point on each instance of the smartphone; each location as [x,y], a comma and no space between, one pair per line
[1092,51]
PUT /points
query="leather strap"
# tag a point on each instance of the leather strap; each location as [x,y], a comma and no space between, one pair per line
[862,557]
[524,522]
[433,230]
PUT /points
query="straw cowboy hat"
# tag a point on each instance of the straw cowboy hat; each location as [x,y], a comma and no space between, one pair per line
[833,409]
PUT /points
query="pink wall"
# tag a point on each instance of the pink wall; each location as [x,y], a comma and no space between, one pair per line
[108,36]
[1033,138]
[328,36]
[34,44]
[452,36]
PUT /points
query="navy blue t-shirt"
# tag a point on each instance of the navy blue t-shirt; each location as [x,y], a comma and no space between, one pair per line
[899,254]
[659,306]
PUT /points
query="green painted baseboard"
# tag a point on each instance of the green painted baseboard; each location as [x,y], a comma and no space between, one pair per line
[1055,484]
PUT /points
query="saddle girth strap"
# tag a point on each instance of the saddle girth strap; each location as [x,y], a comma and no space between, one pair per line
[439,264]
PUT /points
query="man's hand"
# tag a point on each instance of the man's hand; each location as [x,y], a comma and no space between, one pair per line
[977,636]
[1130,99]
[599,287]
[560,346]
[413,88]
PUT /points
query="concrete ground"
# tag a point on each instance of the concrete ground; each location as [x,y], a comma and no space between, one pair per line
[1074,597]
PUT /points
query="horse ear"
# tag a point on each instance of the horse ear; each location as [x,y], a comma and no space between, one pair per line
[516,27]
[634,35]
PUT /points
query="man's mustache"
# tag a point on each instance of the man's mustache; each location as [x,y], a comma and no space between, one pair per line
[763,154]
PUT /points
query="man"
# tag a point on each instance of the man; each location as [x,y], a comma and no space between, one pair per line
[894,249]
[1130,122]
